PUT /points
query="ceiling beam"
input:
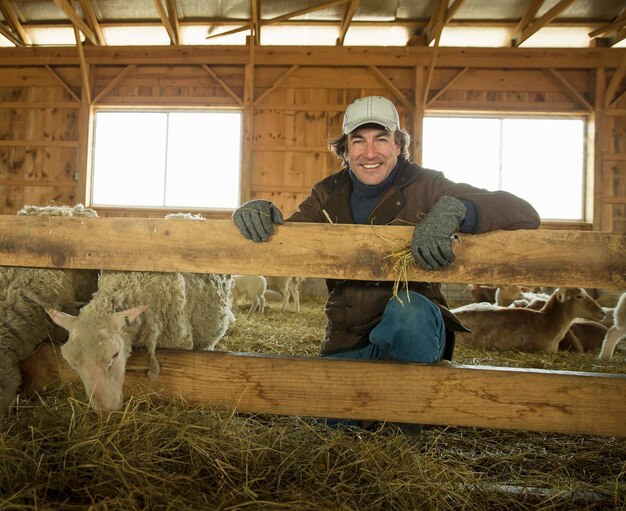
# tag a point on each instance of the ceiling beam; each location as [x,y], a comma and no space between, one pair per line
[173,17]
[569,89]
[452,10]
[63,83]
[77,21]
[89,13]
[436,22]
[115,82]
[615,82]
[14,23]
[165,21]
[614,26]
[255,20]
[84,67]
[392,87]
[346,21]
[543,21]
[525,20]
[222,84]
[284,17]
[6,31]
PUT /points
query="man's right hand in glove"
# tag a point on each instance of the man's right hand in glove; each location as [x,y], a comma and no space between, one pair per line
[256,218]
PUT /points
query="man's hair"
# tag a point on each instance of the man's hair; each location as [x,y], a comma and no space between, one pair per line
[339,145]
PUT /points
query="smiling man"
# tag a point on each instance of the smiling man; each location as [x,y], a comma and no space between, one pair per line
[379,184]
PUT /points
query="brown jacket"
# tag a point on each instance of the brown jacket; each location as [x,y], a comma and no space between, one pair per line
[354,307]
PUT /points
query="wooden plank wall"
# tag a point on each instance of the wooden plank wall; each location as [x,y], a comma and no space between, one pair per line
[293,110]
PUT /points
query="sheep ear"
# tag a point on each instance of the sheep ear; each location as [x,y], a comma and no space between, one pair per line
[126,317]
[561,295]
[62,319]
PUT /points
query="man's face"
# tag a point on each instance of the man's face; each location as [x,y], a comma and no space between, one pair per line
[372,153]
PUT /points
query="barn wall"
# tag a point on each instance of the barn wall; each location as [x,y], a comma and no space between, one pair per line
[290,110]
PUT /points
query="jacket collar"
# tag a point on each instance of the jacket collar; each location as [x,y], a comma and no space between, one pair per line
[338,203]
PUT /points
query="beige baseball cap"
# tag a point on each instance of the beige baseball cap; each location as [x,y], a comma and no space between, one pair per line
[371,109]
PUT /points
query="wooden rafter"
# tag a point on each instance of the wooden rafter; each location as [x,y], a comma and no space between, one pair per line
[77,21]
[14,23]
[454,7]
[8,33]
[391,86]
[544,20]
[222,84]
[614,26]
[165,21]
[92,20]
[275,85]
[114,83]
[447,85]
[439,16]
[526,20]
[173,17]
[567,87]
[436,22]
[84,67]
[255,20]
[284,17]
[62,82]
[346,20]
[615,82]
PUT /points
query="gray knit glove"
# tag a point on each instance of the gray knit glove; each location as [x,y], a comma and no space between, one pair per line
[432,239]
[256,219]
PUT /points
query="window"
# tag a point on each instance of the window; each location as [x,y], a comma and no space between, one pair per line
[534,158]
[170,159]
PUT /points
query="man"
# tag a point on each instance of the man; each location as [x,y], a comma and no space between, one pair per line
[380,185]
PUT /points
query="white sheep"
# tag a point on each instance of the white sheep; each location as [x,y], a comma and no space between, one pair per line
[253,288]
[521,329]
[150,309]
[288,287]
[616,332]
[25,293]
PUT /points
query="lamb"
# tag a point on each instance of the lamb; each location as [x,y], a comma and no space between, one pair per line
[252,287]
[287,287]
[506,328]
[616,332]
[583,336]
[24,295]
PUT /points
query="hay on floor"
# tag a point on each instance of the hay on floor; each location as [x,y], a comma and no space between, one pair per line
[165,454]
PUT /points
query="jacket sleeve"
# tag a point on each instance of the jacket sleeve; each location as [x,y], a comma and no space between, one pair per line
[493,210]
[310,209]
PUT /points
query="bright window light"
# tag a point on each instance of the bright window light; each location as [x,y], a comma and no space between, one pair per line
[530,157]
[136,36]
[4,42]
[377,36]
[167,159]
[559,37]
[197,34]
[281,35]
[492,37]
[57,36]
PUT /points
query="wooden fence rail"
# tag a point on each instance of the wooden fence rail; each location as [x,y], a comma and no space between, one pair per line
[570,402]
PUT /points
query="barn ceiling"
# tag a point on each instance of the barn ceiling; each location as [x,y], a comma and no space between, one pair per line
[566,23]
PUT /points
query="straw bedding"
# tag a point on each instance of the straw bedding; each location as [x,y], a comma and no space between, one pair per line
[165,454]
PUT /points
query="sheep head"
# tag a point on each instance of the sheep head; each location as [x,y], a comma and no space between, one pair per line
[97,349]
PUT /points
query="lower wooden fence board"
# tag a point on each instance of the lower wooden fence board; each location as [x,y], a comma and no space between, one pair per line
[523,399]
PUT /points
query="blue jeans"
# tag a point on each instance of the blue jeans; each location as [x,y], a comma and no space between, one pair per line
[412,331]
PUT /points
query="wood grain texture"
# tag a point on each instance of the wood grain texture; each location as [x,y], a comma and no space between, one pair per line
[532,257]
[522,399]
